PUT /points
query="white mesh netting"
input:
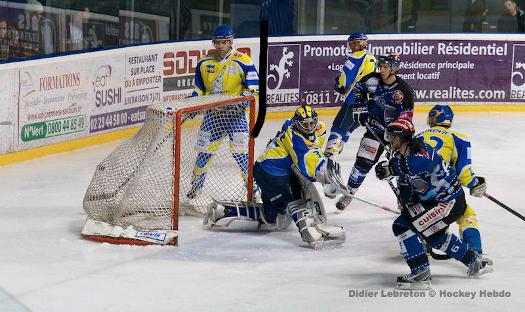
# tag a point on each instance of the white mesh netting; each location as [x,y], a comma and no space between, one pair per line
[135,184]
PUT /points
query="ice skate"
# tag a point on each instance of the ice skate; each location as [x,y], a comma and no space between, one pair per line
[344,201]
[418,280]
[480,265]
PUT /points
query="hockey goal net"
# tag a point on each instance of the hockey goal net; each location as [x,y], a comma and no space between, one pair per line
[186,155]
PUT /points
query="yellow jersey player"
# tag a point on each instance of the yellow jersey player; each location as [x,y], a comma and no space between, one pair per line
[284,172]
[359,64]
[223,71]
[455,150]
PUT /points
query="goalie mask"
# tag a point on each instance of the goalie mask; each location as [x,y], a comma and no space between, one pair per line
[305,121]
[440,115]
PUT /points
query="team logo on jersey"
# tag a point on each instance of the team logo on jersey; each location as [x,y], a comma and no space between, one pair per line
[210,68]
[398,97]
[517,82]
[283,73]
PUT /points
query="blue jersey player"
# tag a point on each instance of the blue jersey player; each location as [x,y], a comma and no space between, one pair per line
[223,71]
[381,98]
[433,198]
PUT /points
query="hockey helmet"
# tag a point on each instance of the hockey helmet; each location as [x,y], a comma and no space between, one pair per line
[440,115]
[305,119]
[402,128]
[357,36]
[222,32]
[391,60]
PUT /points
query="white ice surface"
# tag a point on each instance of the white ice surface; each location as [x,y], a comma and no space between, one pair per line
[46,266]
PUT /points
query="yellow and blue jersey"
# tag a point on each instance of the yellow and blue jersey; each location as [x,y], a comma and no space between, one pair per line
[235,74]
[454,148]
[289,147]
[358,65]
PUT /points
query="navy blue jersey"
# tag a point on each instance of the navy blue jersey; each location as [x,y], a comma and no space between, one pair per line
[386,103]
[424,176]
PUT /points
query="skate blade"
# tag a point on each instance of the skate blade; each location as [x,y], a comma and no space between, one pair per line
[423,285]
[487,269]
[327,244]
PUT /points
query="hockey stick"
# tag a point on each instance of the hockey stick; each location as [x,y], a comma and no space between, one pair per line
[387,149]
[263,64]
[341,188]
[345,192]
[434,255]
[502,205]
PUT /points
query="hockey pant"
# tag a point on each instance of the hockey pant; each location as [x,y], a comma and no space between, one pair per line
[276,191]
[215,126]
[430,221]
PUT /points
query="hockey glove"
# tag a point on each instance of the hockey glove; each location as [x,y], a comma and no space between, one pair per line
[383,170]
[360,114]
[334,146]
[338,88]
[479,188]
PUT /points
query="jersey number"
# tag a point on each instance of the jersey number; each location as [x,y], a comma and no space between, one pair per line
[438,141]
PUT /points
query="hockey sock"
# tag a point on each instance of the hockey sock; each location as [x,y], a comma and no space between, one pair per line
[472,238]
[357,176]
[454,247]
[412,247]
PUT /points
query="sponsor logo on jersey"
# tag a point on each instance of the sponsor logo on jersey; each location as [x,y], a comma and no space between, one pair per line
[433,215]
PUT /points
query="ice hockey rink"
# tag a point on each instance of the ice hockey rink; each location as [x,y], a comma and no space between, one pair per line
[45,265]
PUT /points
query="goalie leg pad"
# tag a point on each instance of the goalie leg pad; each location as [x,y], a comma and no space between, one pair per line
[312,228]
[237,216]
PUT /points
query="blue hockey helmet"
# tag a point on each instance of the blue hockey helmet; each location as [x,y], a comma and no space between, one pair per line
[440,115]
[222,32]
[357,36]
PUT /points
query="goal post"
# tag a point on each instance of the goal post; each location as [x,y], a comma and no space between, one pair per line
[187,154]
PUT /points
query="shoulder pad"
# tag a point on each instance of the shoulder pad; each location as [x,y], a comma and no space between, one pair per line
[212,55]
[358,54]
[243,57]
[458,134]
